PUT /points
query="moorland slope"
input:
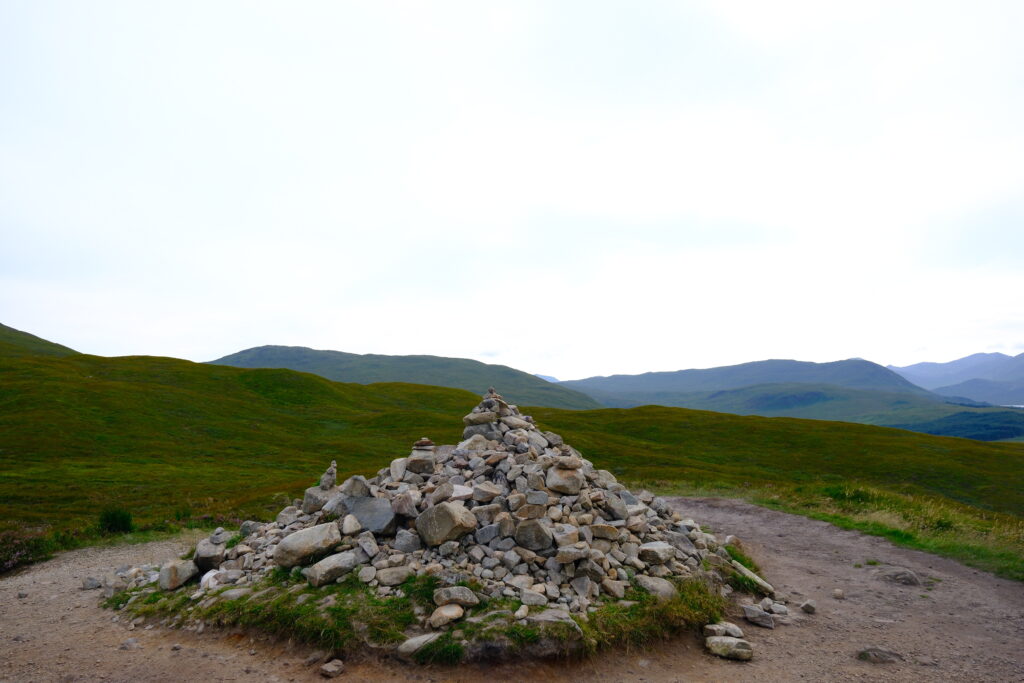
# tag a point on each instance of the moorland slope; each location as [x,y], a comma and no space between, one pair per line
[169,439]
[456,373]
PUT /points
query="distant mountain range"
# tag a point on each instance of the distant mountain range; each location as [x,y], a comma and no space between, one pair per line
[852,390]
[457,373]
[853,374]
[989,377]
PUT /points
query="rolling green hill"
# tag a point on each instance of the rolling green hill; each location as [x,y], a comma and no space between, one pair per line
[853,374]
[153,432]
[17,343]
[457,373]
[169,439]
[159,434]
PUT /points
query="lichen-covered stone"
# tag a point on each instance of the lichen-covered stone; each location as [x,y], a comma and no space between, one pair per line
[444,522]
[331,568]
[567,481]
[176,573]
[729,648]
[460,595]
[533,534]
[303,545]
[663,589]
[208,555]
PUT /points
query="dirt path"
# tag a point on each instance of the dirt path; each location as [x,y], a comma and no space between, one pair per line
[968,627]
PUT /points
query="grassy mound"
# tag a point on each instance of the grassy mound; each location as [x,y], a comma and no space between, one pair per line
[348,616]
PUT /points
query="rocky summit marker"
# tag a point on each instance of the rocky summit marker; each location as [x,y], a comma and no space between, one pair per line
[510,514]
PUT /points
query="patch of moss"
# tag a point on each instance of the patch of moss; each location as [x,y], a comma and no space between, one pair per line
[153,598]
[421,589]
[523,635]
[118,600]
[443,650]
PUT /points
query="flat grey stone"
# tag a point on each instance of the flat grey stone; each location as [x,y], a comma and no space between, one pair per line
[729,648]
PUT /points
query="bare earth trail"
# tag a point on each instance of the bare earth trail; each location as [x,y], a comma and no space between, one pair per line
[968,627]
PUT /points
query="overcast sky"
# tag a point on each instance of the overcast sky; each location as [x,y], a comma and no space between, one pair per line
[571,188]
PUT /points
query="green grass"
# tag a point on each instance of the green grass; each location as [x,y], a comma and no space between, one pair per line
[708,450]
[155,436]
[443,650]
[179,444]
[116,521]
[741,557]
[647,620]
[978,538]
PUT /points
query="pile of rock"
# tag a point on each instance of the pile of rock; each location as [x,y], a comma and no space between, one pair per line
[511,506]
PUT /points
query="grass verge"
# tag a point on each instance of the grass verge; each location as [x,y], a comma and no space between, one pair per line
[978,538]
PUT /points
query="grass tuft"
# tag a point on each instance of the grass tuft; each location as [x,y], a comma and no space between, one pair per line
[522,635]
[116,520]
[744,559]
[443,650]
[421,589]
[647,620]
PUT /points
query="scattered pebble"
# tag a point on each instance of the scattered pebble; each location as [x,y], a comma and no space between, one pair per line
[838,594]
[757,616]
[314,658]
[809,606]
[130,644]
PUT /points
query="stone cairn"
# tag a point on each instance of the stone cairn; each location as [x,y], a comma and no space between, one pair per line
[512,506]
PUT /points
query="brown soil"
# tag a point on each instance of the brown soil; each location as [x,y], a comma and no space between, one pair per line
[963,625]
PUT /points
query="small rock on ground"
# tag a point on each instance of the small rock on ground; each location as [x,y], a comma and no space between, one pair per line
[757,616]
[332,669]
[130,644]
[729,648]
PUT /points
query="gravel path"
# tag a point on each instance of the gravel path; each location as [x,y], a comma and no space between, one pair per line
[968,627]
